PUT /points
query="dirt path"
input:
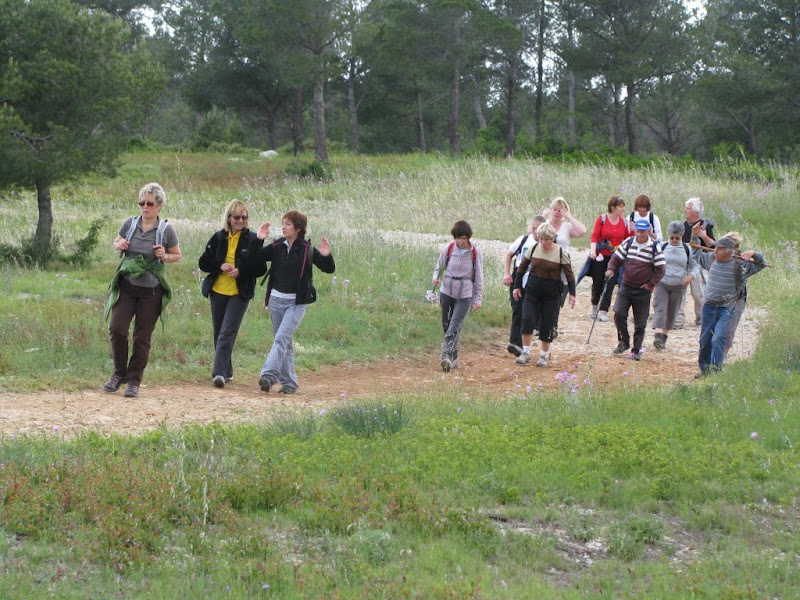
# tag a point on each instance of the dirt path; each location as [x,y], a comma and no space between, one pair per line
[486,368]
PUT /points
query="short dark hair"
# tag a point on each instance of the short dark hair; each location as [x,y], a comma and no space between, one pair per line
[615,201]
[641,200]
[460,229]
[299,220]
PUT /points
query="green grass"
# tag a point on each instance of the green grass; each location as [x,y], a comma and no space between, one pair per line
[630,492]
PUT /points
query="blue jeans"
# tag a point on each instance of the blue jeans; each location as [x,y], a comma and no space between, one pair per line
[286,317]
[453,313]
[713,331]
[227,313]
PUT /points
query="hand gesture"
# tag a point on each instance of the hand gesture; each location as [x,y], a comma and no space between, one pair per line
[233,273]
[159,252]
[687,280]
[263,231]
[324,247]
[476,306]
[121,244]
[609,273]
[571,301]
[696,229]
[226,267]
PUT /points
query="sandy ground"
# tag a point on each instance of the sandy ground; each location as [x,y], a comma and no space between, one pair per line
[485,369]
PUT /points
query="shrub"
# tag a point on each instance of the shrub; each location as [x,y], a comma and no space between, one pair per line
[309,170]
[368,420]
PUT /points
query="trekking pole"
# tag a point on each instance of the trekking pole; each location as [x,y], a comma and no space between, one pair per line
[602,295]
[707,249]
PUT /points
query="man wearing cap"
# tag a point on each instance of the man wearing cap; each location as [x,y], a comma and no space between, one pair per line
[644,266]
[726,276]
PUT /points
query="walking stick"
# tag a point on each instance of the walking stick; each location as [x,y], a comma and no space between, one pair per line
[707,249]
[602,295]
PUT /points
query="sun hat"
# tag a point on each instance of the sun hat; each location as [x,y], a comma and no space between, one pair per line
[642,225]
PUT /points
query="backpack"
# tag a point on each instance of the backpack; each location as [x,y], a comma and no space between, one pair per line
[685,247]
[162,227]
[520,247]
[450,248]
[655,247]
[633,219]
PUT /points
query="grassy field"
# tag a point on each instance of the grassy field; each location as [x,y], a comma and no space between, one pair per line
[689,491]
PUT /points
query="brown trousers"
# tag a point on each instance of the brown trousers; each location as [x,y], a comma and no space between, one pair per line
[144,305]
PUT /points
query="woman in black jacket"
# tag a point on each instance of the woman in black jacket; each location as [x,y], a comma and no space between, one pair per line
[289,291]
[228,285]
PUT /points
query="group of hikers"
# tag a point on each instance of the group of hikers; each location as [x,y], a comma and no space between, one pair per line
[628,252]
[625,252]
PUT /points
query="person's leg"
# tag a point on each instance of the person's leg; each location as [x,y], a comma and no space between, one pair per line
[598,275]
[621,308]
[460,310]
[640,300]
[447,303]
[218,304]
[737,316]
[697,288]
[515,334]
[235,308]
[724,315]
[661,297]
[706,333]
[286,317]
[148,309]
[119,325]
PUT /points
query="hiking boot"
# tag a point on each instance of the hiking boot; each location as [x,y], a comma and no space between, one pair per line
[132,390]
[288,389]
[678,325]
[602,316]
[660,342]
[621,348]
[524,358]
[265,382]
[700,375]
[543,359]
[219,381]
[698,322]
[514,349]
[636,355]
[113,384]
[446,365]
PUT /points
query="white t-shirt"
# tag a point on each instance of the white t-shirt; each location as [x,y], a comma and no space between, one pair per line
[564,235]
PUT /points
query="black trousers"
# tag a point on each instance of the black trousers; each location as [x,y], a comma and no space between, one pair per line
[639,299]
[597,271]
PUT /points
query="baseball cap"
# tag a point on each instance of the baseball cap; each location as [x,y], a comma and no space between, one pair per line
[642,225]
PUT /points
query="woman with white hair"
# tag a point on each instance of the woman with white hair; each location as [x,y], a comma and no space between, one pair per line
[693,212]
[139,289]
[681,270]
[547,262]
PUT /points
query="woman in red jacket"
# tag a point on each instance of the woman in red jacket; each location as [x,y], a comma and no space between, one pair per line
[609,231]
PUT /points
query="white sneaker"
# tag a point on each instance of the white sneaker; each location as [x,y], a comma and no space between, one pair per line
[602,316]
[593,314]
[524,358]
[543,359]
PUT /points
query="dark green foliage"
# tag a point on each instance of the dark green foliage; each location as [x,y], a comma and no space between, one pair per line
[314,169]
[85,246]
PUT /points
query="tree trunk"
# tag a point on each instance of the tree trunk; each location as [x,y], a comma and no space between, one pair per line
[478,104]
[352,105]
[320,148]
[752,144]
[511,101]
[540,71]
[572,129]
[616,130]
[421,125]
[272,124]
[455,102]
[630,119]
[43,238]
[297,121]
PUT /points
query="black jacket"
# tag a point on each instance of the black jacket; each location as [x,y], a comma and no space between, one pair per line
[277,253]
[214,256]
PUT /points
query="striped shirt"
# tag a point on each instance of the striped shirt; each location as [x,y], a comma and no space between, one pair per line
[724,283]
[644,263]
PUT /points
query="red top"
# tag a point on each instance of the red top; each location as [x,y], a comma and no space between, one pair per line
[605,231]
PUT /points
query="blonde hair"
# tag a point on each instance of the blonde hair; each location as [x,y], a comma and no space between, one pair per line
[157,192]
[545,231]
[559,201]
[735,236]
[235,207]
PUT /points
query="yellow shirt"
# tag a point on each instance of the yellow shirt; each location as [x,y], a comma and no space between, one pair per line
[227,285]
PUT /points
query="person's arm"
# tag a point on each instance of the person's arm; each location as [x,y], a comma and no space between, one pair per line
[477,292]
[578,229]
[594,239]
[208,261]
[172,254]
[322,257]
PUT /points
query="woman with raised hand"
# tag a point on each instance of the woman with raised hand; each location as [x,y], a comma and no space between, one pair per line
[542,292]
[228,286]
[681,269]
[139,289]
[609,230]
[290,290]
[461,265]
[567,228]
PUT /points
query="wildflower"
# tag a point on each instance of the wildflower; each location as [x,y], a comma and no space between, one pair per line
[333,280]
[528,389]
[61,276]
[458,409]
[624,373]
[55,428]
[342,395]
[322,412]
[772,400]
[265,586]
[754,435]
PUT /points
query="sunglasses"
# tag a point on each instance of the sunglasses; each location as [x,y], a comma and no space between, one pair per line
[675,237]
[239,217]
[143,203]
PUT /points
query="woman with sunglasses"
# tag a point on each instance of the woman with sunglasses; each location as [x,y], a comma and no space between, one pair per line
[671,290]
[228,286]
[139,289]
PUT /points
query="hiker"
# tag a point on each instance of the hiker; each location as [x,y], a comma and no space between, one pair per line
[139,289]
[461,265]
[644,267]
[741,301]
[542,291]
[290,289]
[693,212]
[227,286]
[642,209]
[726,276]
[681,269]
[516,251]
[608,232]
[567,228]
